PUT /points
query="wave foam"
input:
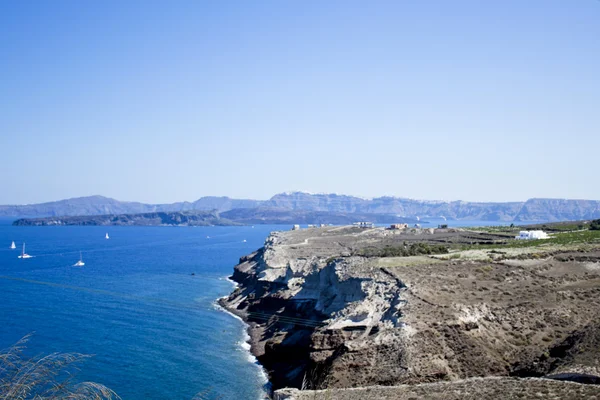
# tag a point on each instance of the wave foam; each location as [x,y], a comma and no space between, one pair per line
[244,344]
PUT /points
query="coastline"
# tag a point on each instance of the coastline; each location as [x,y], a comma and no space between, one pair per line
[348,320]
[249,339]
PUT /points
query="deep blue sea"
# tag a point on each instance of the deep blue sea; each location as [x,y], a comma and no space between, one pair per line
[152,326]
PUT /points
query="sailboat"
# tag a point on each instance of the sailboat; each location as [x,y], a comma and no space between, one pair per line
[79,263]
[23,254]
[12,245]
[106,236]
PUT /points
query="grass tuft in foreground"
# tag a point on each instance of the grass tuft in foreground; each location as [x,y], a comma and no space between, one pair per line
[49,377]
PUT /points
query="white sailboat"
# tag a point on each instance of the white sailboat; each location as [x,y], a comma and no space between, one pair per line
[79,263]
[12,245]
[106,236]
[23,254]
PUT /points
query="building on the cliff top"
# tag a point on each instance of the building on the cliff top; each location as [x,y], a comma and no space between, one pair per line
[364,224]
[296,227]
[398,226]
[531,235]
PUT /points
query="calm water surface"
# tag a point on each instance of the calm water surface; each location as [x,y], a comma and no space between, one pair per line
[152,327]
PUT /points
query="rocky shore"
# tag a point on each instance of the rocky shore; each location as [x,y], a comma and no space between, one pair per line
[328,310]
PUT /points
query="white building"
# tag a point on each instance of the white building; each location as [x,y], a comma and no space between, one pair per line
[296,227]
[364,224]
[531,235]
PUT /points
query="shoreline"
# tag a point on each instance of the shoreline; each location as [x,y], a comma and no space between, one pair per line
[248,342]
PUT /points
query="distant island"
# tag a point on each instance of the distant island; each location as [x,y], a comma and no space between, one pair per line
[145,219]
[250,216]
[254,211]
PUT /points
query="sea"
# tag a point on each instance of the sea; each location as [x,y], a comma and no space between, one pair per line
[144,305]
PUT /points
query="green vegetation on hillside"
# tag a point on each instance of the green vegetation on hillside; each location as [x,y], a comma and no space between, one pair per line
[405,250]
[595,225]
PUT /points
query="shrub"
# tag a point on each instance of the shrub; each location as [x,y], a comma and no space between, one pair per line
[414,249]
[595,225]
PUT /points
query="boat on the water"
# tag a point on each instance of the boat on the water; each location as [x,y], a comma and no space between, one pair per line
[79,263]
[12,245]
[23,254]
[106,236]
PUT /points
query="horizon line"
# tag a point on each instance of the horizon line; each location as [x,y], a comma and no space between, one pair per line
[299,192]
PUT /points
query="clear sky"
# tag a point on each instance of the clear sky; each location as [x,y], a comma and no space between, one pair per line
[162,101]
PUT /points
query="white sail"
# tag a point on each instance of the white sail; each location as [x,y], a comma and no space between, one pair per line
[106,236]
[79,263]
[13,246]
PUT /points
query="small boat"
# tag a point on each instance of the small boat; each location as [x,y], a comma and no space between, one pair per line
[79,263]
[106,236]
[23,254]
[13,246]
[244,241]
[208,237]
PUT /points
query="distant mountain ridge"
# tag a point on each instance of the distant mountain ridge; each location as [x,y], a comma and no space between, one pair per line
[530,210]
[100,205]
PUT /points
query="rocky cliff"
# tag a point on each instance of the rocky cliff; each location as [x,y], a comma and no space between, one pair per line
[323,316]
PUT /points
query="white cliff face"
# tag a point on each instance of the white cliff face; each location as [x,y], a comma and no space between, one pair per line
[310,286]
[343,290]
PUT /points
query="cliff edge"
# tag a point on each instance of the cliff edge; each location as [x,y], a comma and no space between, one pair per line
[329,308]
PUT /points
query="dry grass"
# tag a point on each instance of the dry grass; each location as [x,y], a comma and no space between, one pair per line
[45,378]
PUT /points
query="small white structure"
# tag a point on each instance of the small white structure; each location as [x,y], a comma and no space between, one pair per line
[531,235]
[364,224]
[296,227]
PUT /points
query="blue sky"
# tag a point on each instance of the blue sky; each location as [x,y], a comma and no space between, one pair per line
[163,101]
